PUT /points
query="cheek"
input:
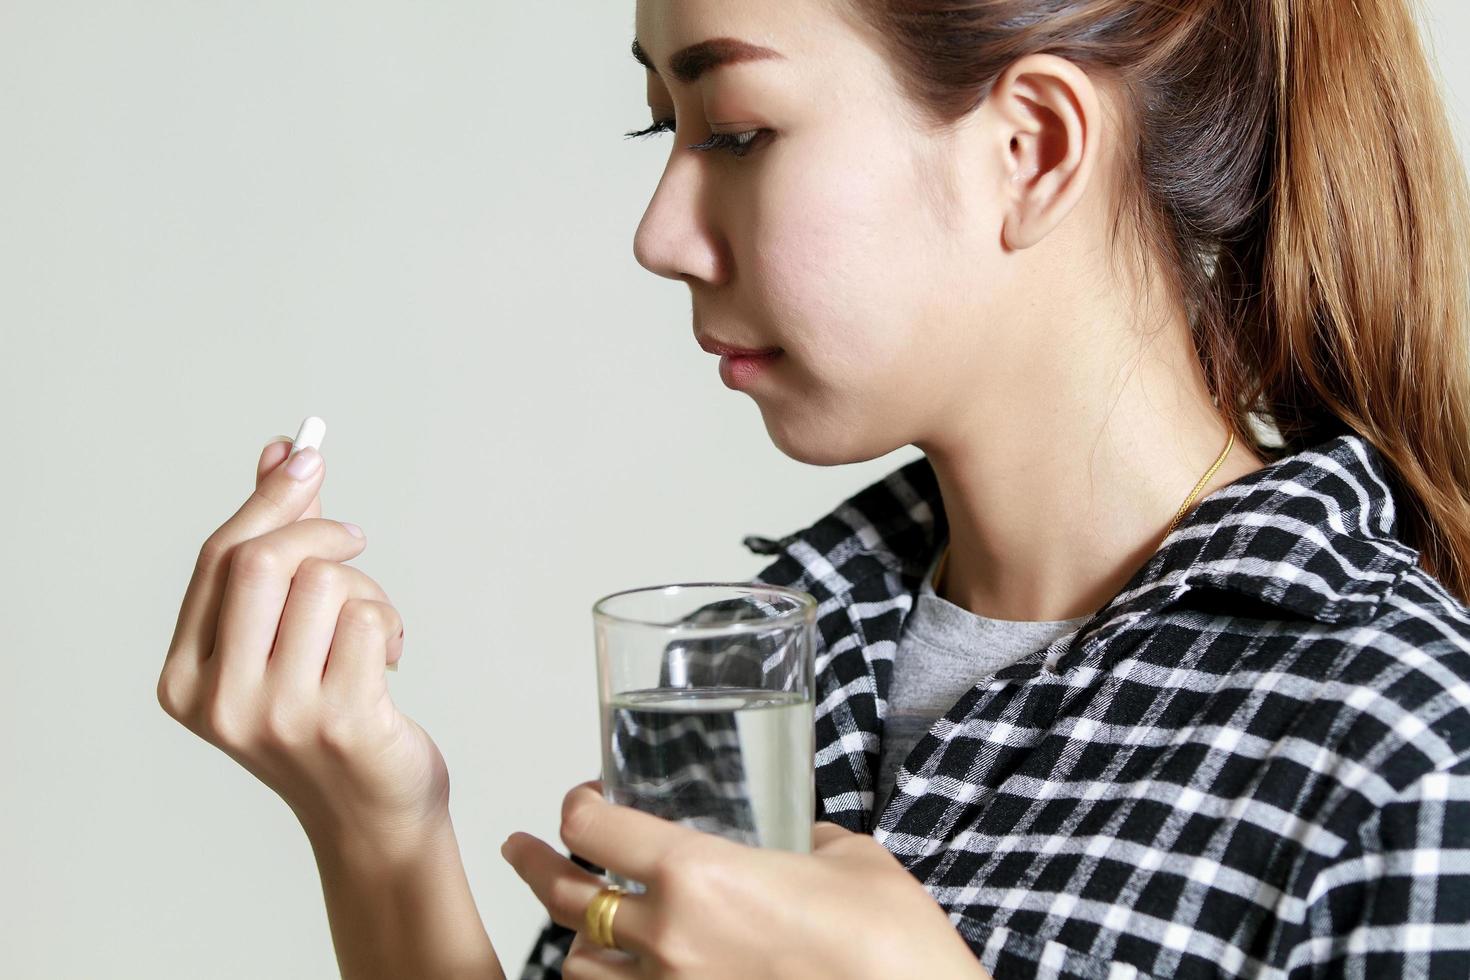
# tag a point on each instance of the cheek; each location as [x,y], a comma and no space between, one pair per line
[837,256]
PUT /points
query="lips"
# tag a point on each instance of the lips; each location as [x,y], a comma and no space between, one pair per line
[730,350]
[742,371]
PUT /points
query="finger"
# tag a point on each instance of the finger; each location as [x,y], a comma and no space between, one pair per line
[824,832]
[309,622]
[198,612]
[281,495]
[278,500]
[586,960]
[258,581]
[565,890]
[273,455]
[620,838]
[354,670]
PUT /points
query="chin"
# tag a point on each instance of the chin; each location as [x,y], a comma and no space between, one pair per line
[821,440]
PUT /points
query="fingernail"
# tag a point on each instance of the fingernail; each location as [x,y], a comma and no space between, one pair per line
[352,529]
[303,464]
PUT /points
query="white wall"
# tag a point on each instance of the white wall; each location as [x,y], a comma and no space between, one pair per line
[416,221]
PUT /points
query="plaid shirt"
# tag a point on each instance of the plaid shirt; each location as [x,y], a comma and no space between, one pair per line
[1253,761]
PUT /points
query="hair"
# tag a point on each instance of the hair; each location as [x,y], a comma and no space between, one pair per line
[1291,175]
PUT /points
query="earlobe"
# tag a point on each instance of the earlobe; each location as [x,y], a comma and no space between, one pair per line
[1053,115]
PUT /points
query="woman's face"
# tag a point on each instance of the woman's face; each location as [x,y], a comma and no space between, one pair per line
[866,249]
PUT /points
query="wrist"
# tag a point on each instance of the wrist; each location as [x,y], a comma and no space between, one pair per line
[380,845]
[399,905]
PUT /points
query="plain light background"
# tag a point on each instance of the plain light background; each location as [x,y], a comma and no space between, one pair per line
[416,221]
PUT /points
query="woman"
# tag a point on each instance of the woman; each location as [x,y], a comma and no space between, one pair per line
[1157,663]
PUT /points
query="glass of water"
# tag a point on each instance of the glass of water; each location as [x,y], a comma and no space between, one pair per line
[705,691]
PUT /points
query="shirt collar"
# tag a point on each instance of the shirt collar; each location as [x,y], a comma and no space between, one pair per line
[1311,535]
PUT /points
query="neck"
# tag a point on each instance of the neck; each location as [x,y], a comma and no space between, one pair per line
[1052,511]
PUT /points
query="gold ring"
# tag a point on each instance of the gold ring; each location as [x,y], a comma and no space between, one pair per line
[599,916]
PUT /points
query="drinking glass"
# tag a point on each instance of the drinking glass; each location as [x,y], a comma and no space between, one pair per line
[705,691]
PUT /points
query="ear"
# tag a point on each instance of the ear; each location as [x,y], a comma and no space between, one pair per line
[1051,124]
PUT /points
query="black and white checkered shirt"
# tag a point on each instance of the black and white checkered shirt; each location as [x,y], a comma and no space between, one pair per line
[1253,761]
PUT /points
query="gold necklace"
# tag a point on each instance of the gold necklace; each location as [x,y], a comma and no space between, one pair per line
[1178,515]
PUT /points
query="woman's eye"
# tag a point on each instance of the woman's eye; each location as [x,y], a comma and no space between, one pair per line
[739,144]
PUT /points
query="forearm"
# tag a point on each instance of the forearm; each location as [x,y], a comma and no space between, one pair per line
[407,912]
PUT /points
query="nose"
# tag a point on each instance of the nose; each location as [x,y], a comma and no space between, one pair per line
[677,238]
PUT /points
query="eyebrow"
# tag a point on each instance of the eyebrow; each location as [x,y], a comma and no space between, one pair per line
[688,64]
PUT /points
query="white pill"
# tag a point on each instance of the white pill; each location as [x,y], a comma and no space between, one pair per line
[311,433]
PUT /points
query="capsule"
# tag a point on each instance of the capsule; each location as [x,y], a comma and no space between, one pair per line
[311,433]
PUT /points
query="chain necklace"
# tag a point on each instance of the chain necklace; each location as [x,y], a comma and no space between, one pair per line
[1178,515]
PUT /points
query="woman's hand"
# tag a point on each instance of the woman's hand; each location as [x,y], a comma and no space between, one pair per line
[716,908]
[278,659]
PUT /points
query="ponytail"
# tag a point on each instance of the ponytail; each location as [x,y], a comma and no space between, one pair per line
[1364,274]
[1299,186]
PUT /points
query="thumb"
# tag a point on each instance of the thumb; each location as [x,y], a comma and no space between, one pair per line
[275,453]
[825,832]
[282,495]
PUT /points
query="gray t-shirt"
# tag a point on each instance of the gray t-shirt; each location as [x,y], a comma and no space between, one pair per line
[944,651]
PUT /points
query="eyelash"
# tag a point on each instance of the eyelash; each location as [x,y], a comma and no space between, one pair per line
[739,144]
